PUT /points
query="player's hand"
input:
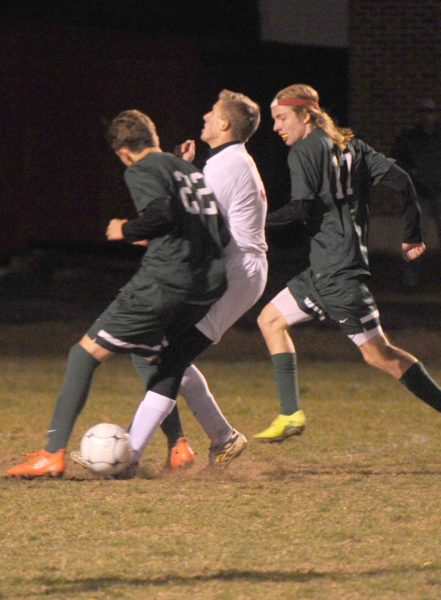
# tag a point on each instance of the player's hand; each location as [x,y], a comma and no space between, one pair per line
[187,150]
[141,243]
[412,251]
[114,230]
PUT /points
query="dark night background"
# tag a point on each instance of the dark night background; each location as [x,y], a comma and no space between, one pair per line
[68,66]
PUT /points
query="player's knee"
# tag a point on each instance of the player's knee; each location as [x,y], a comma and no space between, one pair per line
[90,346]
[378,355]
[269,321]
[264,321]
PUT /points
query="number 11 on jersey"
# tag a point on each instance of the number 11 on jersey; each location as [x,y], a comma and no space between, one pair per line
[342,170]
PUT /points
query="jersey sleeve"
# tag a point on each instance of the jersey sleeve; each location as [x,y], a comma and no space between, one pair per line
[377,163]
[400,181]
[296,211]
[155,221]
[145,185]
[305,179]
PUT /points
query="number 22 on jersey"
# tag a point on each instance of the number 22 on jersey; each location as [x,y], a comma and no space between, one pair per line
[196,196]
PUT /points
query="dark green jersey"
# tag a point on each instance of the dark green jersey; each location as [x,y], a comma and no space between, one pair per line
[188,260]
[336,185]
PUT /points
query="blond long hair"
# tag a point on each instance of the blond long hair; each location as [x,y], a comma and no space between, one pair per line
[319,118]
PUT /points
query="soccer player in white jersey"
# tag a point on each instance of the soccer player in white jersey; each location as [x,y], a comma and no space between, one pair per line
[232,175]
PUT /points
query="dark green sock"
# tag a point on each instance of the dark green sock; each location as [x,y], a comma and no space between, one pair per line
[285,373]
[144,369]
[79,372]
[418,381]
[171,426]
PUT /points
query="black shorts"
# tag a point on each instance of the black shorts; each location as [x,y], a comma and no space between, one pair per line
[139,321]
[348,302]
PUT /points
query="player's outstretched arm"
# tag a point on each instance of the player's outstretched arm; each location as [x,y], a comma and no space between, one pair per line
[412,251]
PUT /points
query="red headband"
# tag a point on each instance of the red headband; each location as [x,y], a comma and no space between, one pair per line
[295,102]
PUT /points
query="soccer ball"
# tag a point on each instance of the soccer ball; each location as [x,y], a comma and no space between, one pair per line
[106,449]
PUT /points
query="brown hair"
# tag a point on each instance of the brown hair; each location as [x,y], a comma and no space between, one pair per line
[242,112]
[132,129]
[319,118]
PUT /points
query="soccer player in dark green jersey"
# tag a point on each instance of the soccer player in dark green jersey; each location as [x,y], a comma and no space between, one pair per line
[181,275]
[332,174]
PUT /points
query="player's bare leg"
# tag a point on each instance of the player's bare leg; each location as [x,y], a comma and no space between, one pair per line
[291,420]
[379,352]
[94,349]
[274,329]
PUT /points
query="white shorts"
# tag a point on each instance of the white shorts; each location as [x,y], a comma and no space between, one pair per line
[246,276]
[287,305]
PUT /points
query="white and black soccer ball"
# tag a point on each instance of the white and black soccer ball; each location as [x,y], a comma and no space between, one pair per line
[106,449]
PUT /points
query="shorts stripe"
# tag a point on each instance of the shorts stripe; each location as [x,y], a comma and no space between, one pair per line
[126,345]
[375,314]
[366,335]
[314,308]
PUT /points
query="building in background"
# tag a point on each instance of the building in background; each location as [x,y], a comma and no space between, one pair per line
[394,61]
[66,67]
[320,23]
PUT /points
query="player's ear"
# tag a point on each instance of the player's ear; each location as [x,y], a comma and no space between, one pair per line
[225,123]
[124,155]
[306,116]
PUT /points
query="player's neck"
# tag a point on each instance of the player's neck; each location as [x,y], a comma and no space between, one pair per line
[128,157]
[136,156]
[221,140]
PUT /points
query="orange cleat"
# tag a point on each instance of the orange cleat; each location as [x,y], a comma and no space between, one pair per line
[181,455]
[42,463]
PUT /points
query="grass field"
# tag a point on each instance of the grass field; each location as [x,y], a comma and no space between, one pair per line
[350,510]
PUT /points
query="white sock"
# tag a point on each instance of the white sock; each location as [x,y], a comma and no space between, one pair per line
[195,390]
[148,417]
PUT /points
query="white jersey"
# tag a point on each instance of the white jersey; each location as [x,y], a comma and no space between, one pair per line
[233,176]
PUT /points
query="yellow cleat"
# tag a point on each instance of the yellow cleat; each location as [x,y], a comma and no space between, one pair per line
[283,427]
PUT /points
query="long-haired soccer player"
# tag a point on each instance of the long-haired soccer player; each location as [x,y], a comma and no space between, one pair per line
[332,174]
